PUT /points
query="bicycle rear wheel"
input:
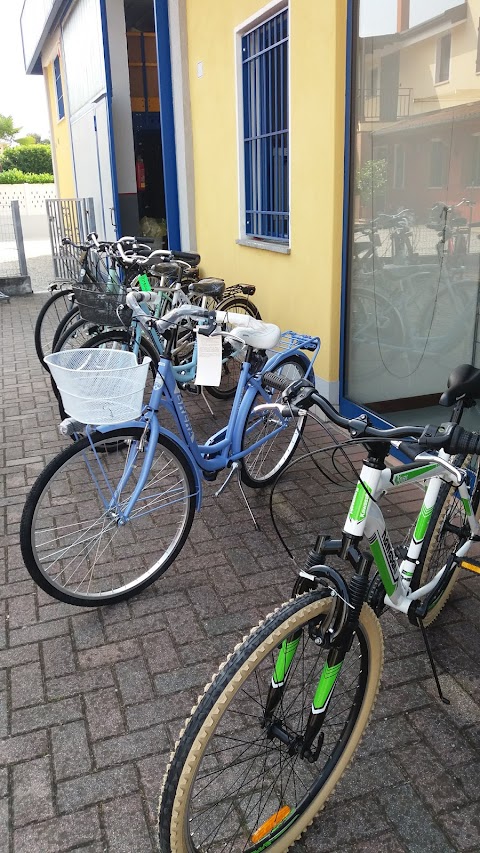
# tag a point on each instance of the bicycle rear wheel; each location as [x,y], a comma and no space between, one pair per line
[76,543]
[50,316]
[448,529]
[232,360]
[233,783]
[264,463]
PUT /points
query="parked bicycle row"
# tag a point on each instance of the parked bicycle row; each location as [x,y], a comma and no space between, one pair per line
[280,722]
[395,239]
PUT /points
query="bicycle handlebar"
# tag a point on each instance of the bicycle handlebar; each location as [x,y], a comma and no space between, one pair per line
[302,395]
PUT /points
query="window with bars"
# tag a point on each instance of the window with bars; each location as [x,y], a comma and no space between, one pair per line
[265,129]
[58,87]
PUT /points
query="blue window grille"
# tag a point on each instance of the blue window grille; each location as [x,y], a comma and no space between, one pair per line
[58,87]
[265,127]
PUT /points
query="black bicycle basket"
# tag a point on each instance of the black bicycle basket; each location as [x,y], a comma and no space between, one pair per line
[103,308]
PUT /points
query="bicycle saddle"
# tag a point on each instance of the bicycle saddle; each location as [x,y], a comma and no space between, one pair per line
[208,287]
[164,269]
[463,380]
[256,333]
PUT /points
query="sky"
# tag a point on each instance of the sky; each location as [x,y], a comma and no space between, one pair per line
[21,97]
[380,16]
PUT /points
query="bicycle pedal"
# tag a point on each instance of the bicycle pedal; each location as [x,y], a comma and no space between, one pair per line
[471,565]
[211,476]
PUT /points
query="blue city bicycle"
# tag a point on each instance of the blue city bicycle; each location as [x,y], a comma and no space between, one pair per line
[111,512]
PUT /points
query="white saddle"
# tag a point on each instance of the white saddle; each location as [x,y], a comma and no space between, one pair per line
[254,333]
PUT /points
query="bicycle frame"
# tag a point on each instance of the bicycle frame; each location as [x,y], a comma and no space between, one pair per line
[220,450]
[366,519]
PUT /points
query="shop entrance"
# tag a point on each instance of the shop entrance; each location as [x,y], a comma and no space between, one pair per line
[145,104]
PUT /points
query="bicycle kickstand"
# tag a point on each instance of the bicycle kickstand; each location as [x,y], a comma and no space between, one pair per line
[236,468]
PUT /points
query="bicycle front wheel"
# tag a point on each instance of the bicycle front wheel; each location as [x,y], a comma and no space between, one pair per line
[279,436]
[76,541]
[234,783]
[447,531]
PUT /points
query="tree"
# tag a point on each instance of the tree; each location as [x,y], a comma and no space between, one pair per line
[28,140]
[371,179]
[28,158]
[7,131]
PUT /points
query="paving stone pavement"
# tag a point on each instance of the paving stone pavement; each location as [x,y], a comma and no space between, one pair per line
[91,701]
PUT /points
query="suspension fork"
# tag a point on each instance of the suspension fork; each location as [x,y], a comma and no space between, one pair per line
[328,677]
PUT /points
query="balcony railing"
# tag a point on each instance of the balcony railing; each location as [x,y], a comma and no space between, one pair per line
[383,104]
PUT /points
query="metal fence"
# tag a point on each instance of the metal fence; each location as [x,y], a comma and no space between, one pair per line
[73,218]
[12,251]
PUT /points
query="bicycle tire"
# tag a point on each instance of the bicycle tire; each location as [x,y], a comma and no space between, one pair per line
[49,317]
[232,363]
[70,318]
[72,484]
[262,466]
[123,338]
[215,722]
[77,335]
[447,530]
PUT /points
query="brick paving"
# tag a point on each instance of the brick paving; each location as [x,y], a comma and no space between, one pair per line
[91,701]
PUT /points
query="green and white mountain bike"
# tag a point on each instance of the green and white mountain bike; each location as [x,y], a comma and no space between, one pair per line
[277,727]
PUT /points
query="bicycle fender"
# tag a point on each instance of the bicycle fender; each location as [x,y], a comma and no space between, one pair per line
[175,440]
[278,357]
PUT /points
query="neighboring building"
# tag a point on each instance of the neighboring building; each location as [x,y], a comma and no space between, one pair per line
[253,107]
[421,88]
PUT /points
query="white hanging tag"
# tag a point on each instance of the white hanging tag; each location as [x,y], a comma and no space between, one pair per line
[209,360]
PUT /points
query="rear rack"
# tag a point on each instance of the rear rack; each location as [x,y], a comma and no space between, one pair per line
[235,289]
[291,340]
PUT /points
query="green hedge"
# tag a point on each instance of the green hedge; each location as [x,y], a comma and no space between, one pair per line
[28,158]
[16,176]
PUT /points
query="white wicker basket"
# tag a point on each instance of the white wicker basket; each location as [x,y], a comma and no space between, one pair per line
[99,386]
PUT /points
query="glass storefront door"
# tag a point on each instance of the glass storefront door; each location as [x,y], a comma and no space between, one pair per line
[413,289]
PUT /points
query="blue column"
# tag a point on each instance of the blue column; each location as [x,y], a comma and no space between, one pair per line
[167,123]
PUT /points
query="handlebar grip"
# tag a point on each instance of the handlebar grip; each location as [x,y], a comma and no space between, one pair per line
[272,380]
[464,442]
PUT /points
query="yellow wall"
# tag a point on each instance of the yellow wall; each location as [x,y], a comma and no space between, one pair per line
[61,149]
[300,290]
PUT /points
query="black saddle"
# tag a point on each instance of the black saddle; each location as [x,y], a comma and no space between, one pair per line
[208,287]
[464,380]
[165,269]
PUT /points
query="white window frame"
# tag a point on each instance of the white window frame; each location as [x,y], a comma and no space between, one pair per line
[264,14]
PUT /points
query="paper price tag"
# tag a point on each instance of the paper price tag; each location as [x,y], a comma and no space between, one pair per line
[209,360]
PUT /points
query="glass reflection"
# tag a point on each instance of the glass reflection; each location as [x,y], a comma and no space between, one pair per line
[415,249]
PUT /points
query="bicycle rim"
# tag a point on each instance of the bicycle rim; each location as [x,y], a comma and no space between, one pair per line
[76,542]
[265,462]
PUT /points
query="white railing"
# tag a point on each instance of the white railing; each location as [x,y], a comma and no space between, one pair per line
[33,19]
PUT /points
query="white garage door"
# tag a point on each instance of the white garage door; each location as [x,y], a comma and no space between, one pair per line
[87,92]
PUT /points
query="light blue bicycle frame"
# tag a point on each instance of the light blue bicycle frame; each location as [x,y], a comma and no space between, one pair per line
[223,448]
